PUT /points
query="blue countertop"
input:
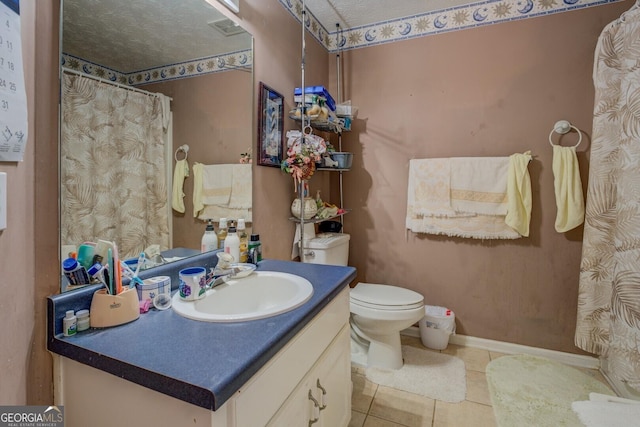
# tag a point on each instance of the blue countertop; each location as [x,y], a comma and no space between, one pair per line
[158,350]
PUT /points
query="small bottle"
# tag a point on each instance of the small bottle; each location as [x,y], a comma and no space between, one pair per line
[255,249]
[83,320]
[222,232]
[69,323]
[244,240]
[209,239]
[232,244]
[75,273]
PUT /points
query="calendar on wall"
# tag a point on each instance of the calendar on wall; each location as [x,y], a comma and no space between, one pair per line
[13,98]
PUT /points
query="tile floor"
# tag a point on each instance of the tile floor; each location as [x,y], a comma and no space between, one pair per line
[379,406]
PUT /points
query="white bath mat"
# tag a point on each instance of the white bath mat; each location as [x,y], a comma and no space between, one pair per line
[427,373]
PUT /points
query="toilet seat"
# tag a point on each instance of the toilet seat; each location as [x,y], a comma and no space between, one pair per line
[385,297]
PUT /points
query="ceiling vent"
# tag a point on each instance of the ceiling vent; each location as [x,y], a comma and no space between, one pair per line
[227,27]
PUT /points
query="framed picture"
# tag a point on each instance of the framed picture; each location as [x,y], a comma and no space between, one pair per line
[270,125]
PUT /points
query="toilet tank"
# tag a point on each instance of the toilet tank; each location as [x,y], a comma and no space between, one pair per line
[327,248]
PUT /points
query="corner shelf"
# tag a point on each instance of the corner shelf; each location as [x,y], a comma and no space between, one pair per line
[314,220]
[323,125]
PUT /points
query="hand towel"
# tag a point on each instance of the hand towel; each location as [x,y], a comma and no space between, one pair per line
[198,205]
[216,184]
[180,172]
[568,189]
[519,193]
[241,185]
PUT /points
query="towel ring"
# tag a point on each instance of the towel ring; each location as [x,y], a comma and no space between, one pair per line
[562,127]
[185,149]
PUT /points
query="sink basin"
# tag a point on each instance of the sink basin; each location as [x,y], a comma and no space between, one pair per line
[259,295]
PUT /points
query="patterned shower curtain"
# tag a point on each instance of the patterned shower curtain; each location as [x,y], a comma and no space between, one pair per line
[113,167]
[608,322]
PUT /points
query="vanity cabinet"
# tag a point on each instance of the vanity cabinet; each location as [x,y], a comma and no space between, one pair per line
[316,358]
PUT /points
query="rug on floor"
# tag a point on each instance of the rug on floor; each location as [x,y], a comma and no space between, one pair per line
[427,373]
[530,390]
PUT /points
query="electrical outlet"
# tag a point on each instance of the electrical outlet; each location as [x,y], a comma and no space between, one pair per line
[3,200]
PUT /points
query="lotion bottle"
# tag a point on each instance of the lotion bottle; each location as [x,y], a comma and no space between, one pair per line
[232,244]
[222,232]
[209,239]
[244,240]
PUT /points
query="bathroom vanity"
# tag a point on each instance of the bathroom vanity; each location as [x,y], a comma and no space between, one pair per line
[163,369]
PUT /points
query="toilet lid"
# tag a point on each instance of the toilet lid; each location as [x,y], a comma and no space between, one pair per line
[391,297]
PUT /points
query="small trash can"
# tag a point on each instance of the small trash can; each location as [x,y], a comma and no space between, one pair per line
[436,326]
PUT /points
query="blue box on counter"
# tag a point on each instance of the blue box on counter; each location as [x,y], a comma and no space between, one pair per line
[317,90]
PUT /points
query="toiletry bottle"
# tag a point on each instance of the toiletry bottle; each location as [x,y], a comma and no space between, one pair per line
[75,273]
[232,244]
[83,320]
[222,232]
[209,239]
[255,249]
[244,240]
[69,323]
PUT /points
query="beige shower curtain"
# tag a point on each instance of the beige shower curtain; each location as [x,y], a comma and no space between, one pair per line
[608,321]
[113,167]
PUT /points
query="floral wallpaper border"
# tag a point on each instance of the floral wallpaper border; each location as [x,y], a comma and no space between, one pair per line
[450,19]
[196,67]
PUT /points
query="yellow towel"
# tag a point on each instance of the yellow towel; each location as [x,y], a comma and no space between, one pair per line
[519,193]
[198,205]
[179,174]
[568,189]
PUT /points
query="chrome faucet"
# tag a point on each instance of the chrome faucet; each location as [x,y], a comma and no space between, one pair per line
[222,271]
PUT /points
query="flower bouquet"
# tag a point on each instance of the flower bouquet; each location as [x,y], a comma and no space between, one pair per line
[303,151]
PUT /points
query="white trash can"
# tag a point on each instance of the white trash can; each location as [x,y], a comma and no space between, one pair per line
[436,326]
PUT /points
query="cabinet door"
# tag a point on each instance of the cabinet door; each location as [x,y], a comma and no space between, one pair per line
[331,382]
[298,409]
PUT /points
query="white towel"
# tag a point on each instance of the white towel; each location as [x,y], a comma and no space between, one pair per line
[216,184]
[430,205]
[479,185]
[241,187]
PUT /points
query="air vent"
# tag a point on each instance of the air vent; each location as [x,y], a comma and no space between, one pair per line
[227,27]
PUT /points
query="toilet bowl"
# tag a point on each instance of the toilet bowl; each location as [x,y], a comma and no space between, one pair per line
[378,314]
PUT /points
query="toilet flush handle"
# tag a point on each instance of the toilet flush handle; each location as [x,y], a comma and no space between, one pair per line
[310,254]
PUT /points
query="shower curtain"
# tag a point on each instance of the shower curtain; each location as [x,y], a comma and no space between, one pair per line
[608,322]
[113,167]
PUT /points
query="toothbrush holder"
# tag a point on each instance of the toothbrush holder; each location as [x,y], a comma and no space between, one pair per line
[112,310]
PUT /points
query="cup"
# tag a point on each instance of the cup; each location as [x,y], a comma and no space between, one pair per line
[193,281]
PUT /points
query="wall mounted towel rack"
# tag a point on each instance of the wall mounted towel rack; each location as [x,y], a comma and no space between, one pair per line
[562,127]
[184,149]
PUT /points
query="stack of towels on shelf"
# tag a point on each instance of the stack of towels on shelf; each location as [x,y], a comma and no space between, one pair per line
[474,197]
[222,191]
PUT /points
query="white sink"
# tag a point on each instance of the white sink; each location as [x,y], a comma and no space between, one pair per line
[259,295]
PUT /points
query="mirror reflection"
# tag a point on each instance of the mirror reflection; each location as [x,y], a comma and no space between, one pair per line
[138,81]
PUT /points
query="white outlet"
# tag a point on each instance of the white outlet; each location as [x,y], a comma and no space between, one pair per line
[3,200]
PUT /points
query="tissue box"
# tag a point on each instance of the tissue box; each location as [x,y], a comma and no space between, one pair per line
[153,286]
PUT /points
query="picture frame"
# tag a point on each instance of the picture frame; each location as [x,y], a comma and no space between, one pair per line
[270,127]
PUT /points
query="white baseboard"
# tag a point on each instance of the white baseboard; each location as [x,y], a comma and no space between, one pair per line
[577,360]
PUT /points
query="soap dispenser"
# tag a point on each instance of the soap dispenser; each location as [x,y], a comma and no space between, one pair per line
[232,244]
[222,232]
[209,238]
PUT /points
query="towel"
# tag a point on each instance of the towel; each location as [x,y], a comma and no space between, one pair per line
[180,172]
[568,189]
[519,193]
[479,185]
[429,201]
[216,184]
[215,197]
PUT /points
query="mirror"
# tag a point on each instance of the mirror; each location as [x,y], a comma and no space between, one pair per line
[192,54]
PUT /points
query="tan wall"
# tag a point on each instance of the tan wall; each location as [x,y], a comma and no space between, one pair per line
[486,91]
[491,91]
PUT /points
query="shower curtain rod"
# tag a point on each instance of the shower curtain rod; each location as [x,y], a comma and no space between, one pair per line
[134,89]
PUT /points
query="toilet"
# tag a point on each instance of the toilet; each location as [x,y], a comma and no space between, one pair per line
[378,312]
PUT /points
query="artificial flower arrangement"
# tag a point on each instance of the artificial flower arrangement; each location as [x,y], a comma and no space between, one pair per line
[246,157]
[303,151]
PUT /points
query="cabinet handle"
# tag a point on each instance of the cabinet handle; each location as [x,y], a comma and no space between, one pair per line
[316,405]
[324,392]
